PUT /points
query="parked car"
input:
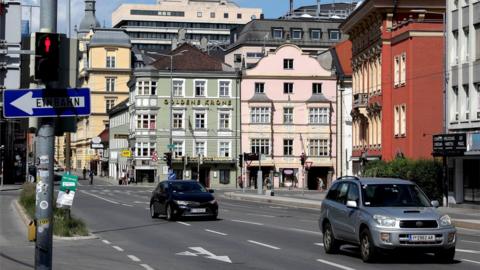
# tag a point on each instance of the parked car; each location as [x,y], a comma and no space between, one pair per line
[381,214]
[58,168]
[182,198]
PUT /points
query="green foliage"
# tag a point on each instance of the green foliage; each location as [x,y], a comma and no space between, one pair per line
[425,173]
[63,224]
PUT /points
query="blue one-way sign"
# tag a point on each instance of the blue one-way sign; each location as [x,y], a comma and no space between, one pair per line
[24,103]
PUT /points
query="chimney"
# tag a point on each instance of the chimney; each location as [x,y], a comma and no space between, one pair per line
[262,16]
[291,8]
[319,7]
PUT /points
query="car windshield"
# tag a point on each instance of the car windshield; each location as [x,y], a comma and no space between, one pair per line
[187,187]
[393,195]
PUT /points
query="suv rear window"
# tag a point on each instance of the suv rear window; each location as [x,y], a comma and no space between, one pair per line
[393,195]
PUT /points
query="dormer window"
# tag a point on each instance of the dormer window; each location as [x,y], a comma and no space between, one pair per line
[297,34]
[277,33]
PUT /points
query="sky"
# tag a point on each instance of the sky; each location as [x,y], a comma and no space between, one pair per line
[271,9]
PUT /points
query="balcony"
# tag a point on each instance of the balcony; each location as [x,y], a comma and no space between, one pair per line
[360,100]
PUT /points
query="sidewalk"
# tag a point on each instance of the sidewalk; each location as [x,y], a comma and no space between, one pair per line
[463,218]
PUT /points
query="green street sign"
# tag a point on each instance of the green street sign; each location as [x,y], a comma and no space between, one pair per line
[171,146]
[69,182]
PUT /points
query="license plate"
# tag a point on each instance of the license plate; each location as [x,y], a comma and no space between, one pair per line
[422,238]
[198,210]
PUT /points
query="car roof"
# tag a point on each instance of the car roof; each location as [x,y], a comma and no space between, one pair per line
[378,180]
[180,180]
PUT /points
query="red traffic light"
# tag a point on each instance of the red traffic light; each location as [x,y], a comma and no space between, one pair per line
[47,43]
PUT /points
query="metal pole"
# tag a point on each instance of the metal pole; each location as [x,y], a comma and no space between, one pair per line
[68,162]
[259,175]
[303,180]
[171,107]
[242,172]
[69,18]
[45,156]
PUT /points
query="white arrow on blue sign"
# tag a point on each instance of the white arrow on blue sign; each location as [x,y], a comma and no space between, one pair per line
[23,103]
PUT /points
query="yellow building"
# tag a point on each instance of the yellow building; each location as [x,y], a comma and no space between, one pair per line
[105,68]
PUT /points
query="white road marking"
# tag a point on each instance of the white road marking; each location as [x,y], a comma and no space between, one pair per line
[247,222]
[208,254]
[318,244]
[106,242]
[468,251]
[99,197]
[118,248]
[467,241]
[258,215]
[141,202]
[127,205]
[305,231]
[184,223]
[133,258]
[146,266]
[335,265]
[262,244]
[216,232]
[470,261]
[147,208]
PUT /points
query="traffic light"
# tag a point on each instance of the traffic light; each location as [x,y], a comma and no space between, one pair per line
[240,160]
[303,158]
[167,157]
[47,56]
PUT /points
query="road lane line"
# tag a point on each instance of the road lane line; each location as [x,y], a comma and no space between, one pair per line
[306,231]
[146,266]
[184,223]
[99,197]
[133,258]
[474,242]
[106,242]
[247,222]
[318,244]
[118,248]
[262,244]
[124,204]
[470,261]
[259,215]
[335,265]
[468,251]
[220,233]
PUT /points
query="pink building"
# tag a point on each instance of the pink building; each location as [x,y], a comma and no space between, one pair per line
[288,108]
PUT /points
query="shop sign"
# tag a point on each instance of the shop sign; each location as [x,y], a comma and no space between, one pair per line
[120,136]
[126,153]
[454,144]
[198,102]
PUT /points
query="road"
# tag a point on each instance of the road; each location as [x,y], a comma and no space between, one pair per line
[246,236]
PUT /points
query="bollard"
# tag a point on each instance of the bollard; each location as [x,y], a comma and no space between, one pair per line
[32,231]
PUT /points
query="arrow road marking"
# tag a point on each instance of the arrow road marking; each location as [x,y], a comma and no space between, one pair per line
[207,254]
[27,102]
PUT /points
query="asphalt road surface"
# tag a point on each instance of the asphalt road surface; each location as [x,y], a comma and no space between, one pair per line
[246,236]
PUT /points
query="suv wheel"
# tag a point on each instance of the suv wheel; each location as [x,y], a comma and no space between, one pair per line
[446,255]
[170,215]
[153,214]
[368,251]
[330,244]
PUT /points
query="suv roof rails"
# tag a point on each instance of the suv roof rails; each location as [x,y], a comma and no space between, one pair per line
[348,177]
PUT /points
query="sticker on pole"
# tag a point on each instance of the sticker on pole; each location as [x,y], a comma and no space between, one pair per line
[68,186]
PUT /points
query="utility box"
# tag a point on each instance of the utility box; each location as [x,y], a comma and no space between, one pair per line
[32,231]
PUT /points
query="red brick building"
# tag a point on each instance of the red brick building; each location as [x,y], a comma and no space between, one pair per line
[397,60]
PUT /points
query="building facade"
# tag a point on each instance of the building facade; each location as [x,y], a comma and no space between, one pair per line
[463,97]
[157,26]
[397,52]
[120,154]
[205,118]
[288,108]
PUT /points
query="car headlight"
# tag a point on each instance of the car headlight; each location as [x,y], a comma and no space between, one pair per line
[385,221]
[182,202]
[445,220]
[212,201]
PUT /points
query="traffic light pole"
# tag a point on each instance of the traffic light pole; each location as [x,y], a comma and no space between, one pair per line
[45,159]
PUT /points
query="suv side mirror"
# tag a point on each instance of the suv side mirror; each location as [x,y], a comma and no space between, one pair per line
[211,191]
[352,204]
[435,204]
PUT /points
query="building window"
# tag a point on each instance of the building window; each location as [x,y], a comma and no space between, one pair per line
[477,41]
[212,15]
[200,149]
[287,63]
[397,120]
[334,34]
[288,88]
[287,147]
[318,116]
[177,120]
[224,120]
[467,102]
[396,80]
[318,148]
[288,115]
[146,121]
[144,149]
[225,15]
[224,177]
[110,61]
[200,88]
[403,120]
[403,69]
[456,103]
[260,115]
[239,15]
[260,146]
[454,48]
[178,88]
[178,148]
[259,88]
[296,34]
[224,89]
[146,88]
[199,14]
[110,84]
[466,45]
[224,149]
[316,88]
[316,34]
[277,33]
[200,120]
[109,104]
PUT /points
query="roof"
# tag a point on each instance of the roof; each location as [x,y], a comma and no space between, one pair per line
[342,55]
[104,135]
[318,98]
[260,97]
[110,37]
[119,108]
[89,20]
[190,58]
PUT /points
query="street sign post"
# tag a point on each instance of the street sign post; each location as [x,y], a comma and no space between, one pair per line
[24,103]
[126,153]
[68,187]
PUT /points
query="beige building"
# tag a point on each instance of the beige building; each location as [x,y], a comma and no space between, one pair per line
[157,26]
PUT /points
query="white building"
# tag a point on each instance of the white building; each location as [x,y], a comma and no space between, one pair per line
[463,96]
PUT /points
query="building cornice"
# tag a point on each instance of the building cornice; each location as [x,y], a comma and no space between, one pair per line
[277,77]
[416,33]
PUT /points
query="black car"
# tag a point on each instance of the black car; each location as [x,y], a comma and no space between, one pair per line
[182,198]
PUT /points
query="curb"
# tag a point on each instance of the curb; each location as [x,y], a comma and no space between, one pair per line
[26,220]
[299,203]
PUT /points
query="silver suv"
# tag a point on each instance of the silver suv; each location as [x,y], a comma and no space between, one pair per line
[382,214]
